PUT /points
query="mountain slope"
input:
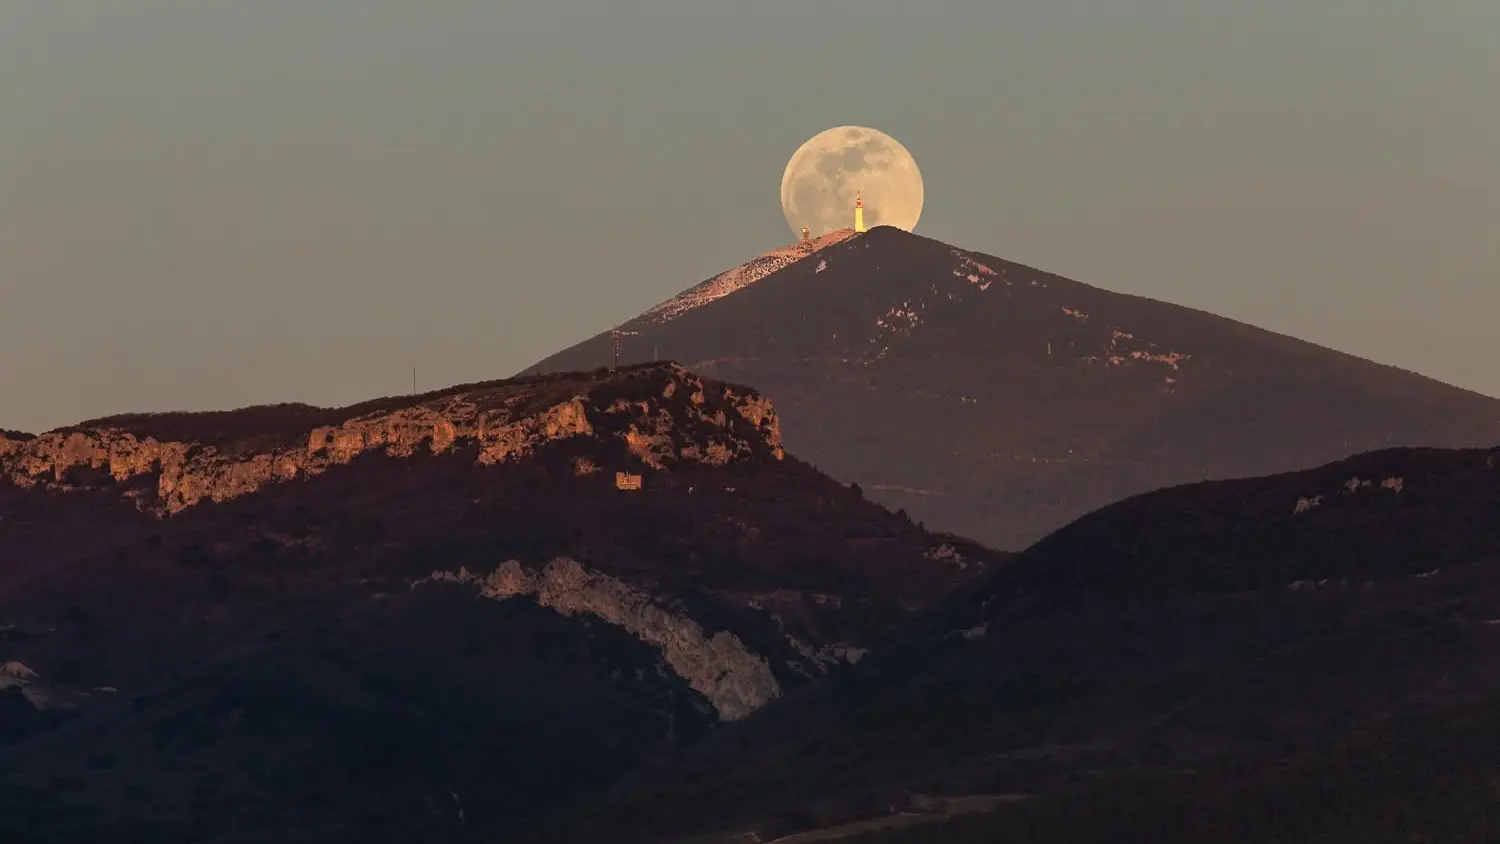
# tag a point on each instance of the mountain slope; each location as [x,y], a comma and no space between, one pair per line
[1000,402]
[1313,656]
[420,615]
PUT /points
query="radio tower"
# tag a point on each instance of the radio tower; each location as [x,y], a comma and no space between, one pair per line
[859,213]
[614,341]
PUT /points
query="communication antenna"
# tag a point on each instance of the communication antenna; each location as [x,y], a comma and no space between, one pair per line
[413,380]
[614,341]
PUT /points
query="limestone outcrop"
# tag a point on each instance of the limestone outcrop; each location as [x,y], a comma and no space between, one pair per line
[735,680]
[665,414]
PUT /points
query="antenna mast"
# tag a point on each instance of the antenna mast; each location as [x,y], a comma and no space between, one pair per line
[614,342]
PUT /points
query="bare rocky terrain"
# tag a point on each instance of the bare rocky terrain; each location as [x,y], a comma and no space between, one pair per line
[419,617]
[1001,402]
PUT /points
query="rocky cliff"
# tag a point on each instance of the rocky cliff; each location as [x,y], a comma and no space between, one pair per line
[664,415]
[735,680]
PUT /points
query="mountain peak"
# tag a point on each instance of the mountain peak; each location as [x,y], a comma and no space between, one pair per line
[999,401]
[738,278]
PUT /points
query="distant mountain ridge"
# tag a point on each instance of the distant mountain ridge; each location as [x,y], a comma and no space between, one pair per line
[998,401]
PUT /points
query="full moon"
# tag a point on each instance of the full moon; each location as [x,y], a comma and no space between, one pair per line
[827,172]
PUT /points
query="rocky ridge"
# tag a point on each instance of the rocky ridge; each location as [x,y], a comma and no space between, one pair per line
[495,419]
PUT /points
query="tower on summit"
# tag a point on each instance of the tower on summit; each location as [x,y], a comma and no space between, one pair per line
[806,234]
[859,213]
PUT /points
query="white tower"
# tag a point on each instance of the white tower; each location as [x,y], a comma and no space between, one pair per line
[859,213]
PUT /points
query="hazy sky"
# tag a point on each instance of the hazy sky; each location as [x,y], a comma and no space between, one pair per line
[211,204]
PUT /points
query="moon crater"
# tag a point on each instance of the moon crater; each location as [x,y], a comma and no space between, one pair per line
[833,168]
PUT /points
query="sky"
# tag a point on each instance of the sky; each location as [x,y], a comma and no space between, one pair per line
[210,205]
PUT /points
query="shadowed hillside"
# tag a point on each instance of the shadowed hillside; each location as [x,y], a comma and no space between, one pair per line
[1313,656]
[418,616]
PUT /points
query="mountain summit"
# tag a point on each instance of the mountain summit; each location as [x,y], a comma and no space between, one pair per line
[999,401]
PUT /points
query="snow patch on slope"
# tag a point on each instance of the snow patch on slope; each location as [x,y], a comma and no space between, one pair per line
[741,277]
[902,318]
[1119,352]
[899,321]
[973,272]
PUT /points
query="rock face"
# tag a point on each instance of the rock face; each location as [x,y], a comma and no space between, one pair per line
[720,667]
[1001,402]
[15,675]
[222,640]
[726,425]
